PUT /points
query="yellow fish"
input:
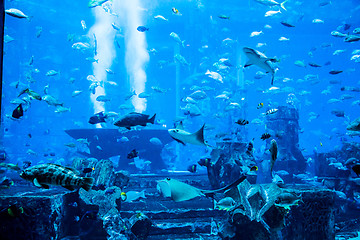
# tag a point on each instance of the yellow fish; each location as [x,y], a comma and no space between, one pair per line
[260,105]
[175,11]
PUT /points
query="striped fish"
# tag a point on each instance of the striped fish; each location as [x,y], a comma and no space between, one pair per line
[44,175]
[271,111]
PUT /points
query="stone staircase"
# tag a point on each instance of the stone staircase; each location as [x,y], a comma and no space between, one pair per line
[193,219]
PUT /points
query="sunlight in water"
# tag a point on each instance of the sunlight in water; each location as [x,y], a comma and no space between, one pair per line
[136,57]
[103,33]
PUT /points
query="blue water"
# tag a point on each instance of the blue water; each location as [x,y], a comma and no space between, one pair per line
[198,26]
[41,131]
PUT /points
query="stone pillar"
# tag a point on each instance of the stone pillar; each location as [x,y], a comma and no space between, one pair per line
[283,126]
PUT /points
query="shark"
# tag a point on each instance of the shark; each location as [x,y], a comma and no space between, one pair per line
[183,137]
[259,59]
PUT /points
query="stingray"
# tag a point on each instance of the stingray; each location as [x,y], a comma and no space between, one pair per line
[179,191]
[183,137]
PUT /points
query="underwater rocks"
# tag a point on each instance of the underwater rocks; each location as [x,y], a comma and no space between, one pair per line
[230,161]
[82,163]
[51,214]
[103,173]
[338,163]
[106,199]
[39,219]
[140,225]
[314,218]
[120,179]
[268,212]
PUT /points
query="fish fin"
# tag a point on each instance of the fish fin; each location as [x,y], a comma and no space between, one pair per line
[39,185]
[272,79]
[23,91]
[200,135]
[179,141]
[215,204]
[152,119]
[230,186]
[36,183]
[68,168]
[72,169]
[180,126]
[142,194]
[273,60]
[282,5]
[29,18]
[87,183]
[248,64]
[71,188]
[183,43]
[128,128]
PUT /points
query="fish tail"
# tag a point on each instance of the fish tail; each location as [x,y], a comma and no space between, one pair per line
[215,204]
[282,5]
[87,183]
[142,194]
[152,119]
[232,185]
[200,135]
[183,43]
[29,18]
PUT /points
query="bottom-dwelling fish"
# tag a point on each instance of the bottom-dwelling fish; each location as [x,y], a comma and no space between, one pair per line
[179,191]
[44,175]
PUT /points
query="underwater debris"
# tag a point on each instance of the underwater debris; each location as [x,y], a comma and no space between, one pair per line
[253,202]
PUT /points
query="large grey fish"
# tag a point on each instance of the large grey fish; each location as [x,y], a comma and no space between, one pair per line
[274,151]
[16,13]
[259,59]
[179,191]
[272,3]
[44,175]
[134,119]
[354,125]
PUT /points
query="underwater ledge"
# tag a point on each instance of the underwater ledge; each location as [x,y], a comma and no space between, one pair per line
[51,214]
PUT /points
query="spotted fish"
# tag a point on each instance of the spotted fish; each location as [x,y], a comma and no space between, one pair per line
[44,175]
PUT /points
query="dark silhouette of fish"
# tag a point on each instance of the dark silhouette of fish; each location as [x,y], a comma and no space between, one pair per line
[134,119]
